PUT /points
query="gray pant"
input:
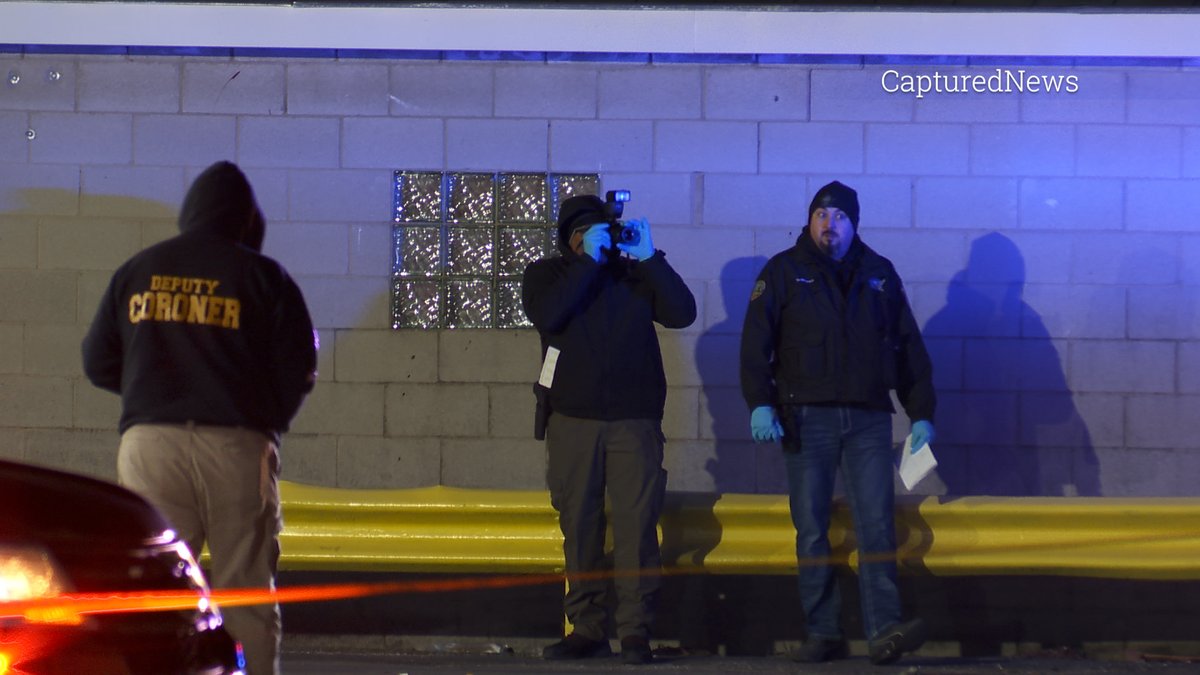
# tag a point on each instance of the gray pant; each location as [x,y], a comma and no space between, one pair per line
[220,485]
[588,458]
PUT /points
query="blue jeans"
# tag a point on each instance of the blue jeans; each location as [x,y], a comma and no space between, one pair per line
[817,441]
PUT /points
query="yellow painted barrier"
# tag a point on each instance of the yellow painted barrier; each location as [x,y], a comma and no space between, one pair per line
[443,529]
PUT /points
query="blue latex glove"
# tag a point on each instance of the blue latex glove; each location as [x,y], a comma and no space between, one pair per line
[764,424]
[596,241]
[922,433]
[644,248]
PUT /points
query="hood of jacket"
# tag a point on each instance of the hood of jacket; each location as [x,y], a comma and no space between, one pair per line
[221,201]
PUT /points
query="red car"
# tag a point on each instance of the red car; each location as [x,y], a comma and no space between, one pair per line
[94,542]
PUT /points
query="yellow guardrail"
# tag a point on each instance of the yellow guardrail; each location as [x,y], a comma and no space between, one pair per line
[443,529]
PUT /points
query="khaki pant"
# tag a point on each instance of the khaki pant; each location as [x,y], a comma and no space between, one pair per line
[218,485]
[623,459]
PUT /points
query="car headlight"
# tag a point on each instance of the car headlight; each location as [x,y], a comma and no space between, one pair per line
[29,573]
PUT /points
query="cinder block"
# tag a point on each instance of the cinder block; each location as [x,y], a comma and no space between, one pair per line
[94,408]
[1157,97]
[1191,152]
[723,415]
[523,466]
[948,362]
[53,350]
[91,287]
[12,442]
[1014,364]
[366,241]
[919,150]
[34,401]
[978,419]
[1189,249]
[99,245]
[741,93]
[957,103]
[753,201]
[694,466]
[270,191]
[725,300]
[967,203]
[678,353]
[812,147]
[1147,472]
[930,305]
[680,413]
[82,138]
[885,202]
[342,408]
[1022,150]
[183,140]
[20,238]
[347,302]
[1071,204]
[920,256]
[236,87]
[1189,367]
[1128,151]
[337,89]
[557,91]
[1157,206]
[1074,311]
[661,198]
[1162,422]
[293,142]
[377,463]
[489,356]
[14,146]
[12,348]
[843,95]
[510,411]
[131,192]
[39,190]
[37,297]
[1101,98]
[382,143]
[129,86]
[296,247]
[326,348]
[340,196]
[442,90]
[601,145]
[387,356]
[706,146]
[1133,366]
[497,145]
[309,459]
[1164,313]
[700,253]
[651,92]
[45,83]
[1102,416]
[1038,255]
[1132,259]
[91,453]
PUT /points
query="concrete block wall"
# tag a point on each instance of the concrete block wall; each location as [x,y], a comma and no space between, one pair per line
[1046,239]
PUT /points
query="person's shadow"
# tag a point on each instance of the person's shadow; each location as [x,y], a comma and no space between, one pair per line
[1007,422]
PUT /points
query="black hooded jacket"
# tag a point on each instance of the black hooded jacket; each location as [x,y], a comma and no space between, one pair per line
[824,332]
[600,317]
[202,327]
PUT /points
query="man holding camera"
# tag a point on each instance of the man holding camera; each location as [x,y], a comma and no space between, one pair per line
[827,335]
[601,395]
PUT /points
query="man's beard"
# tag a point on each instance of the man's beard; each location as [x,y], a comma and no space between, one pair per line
[828,243]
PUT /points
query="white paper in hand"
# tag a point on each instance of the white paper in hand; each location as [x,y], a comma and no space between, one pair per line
[915,465]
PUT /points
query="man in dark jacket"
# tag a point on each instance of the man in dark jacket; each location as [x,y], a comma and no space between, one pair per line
[827,335]
[211,348]
[603,389]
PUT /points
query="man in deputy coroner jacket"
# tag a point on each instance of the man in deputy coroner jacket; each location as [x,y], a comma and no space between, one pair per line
[828,333]
[602,389]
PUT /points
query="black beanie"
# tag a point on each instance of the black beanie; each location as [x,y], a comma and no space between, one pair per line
[838,196]
[576,211]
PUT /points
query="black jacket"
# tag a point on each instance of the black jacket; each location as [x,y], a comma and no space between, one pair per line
[202,327]
[601,319]
[805,341]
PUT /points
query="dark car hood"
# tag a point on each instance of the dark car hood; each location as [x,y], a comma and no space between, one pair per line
[52,507]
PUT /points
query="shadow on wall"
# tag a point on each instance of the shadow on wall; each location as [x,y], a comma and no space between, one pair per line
[1011,428]
[735,463]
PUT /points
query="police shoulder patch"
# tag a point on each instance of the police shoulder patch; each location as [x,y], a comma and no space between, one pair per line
[759,288]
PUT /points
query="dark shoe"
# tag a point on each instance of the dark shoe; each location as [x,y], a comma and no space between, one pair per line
[818,649]
[896,640]
[575,646]
[635,650]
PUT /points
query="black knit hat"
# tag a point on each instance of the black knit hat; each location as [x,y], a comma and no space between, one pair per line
[838,196]
[576,211]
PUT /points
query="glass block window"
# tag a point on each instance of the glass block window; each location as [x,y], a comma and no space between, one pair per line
[461,241]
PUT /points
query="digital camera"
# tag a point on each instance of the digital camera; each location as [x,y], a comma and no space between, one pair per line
[614,205]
